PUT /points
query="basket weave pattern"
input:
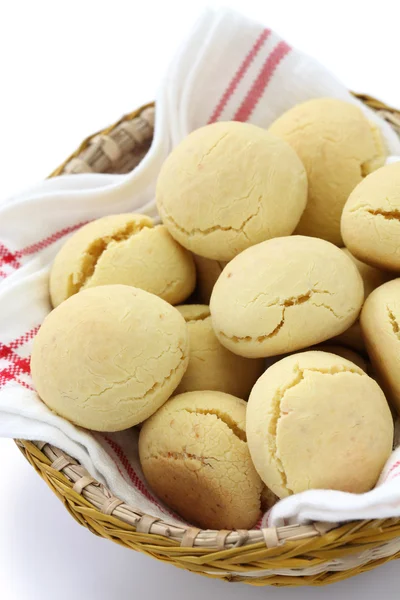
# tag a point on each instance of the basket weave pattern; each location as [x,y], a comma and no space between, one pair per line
[294,555]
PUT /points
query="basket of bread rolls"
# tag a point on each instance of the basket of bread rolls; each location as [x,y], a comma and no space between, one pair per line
[249,336]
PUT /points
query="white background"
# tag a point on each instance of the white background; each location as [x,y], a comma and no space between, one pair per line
[66,70]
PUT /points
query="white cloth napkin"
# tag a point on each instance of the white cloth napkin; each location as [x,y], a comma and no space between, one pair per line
[229,68]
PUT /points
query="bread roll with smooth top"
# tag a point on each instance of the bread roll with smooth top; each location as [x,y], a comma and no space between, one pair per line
[123,249]
[371,219]
[207,273]
[283,295]
[194,455]
[338,147]
[211,365]
[228,186]
[109,357]
[317,421]
[380,324]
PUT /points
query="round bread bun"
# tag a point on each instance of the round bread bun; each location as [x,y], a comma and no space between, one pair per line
[211,365]
[317,421]
[194,455]
[109,357]
[228,186]
[123,249]
[371,219]
[380,325]
[283,295]
[338,147]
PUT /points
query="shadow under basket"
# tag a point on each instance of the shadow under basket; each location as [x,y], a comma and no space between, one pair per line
[287,556]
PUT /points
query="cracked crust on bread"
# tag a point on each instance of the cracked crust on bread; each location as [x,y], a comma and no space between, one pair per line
[283,295]
[380,325]
[371,219]
[194,455]
[338,146]
[123,249]
[317,421]
[109,357]
[221,189]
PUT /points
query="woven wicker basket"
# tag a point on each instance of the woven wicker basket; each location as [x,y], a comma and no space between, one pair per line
[294,555]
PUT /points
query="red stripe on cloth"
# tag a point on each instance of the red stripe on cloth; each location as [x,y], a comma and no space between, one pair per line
[129,469]
[9,258]
[11,374]
[24,384]
[264,77]
[49,240]
[13,258]
[240,73]
[18,365]
[5,376]
[258,525]
[22,364]
[100,437]
[136,480]
[23,339]
[392,468]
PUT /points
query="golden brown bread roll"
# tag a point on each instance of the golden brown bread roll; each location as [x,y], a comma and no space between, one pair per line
[194,455]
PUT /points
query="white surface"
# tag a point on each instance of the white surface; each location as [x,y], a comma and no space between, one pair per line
[68,69]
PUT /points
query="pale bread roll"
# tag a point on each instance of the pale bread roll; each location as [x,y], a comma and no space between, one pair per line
[211,365]
[230,185]
[338,147]
[371,219]
[123,249]
[380,324]
[109,357]
[317,421]
[372,278]
[283,295]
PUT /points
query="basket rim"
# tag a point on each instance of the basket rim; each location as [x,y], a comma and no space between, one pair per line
[102,499]
[311,550]
[67,478]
